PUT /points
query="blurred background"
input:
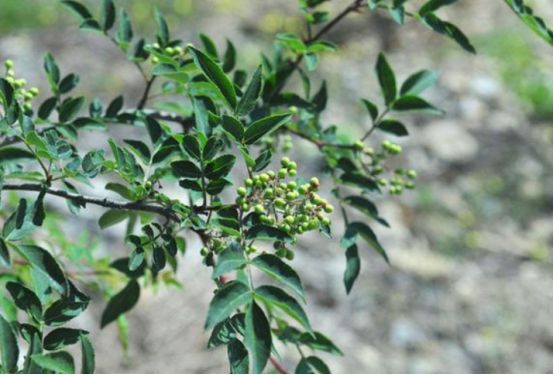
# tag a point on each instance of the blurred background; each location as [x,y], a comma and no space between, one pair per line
[469,288]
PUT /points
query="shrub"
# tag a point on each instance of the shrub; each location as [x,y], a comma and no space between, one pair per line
[224,119]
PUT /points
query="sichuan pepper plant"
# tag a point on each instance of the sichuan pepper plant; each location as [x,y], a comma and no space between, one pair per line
[211,117]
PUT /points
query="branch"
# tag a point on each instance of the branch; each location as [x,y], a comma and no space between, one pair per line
[144,98]
[317,142]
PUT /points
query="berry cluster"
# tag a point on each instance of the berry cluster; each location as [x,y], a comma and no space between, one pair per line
[171,51]
[293,208]
[25,96]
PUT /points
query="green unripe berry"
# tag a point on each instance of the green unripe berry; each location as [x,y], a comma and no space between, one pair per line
[204,251]
[155,60]
[155,45]
[8,64]
[292,165]
[27,95]
[293,109]
[409,185]
[289,219]
[308,206]
[271,174]
[244,206]
[314,182]
[286,227]
[282,173]
[291,185]
[268,193]
[264,218]
[11,81]
[411,173]
[169,50]
[259,209]
[290,254]
[314,224]
[303,189]
[281,253]
[285,161]
[326,221]
[27,106]
[251,249]
[292,172]
[249,182]
[358,145]
[369,151]
[179,50]
[377,170]
[305,226]
[328,208]
[241,191]
[280,203]
[382,181]
[34,91]
[10,73]
[291,196]
[20,82]
[264,177]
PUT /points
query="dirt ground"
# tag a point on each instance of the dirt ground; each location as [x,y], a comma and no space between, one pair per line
[469,288]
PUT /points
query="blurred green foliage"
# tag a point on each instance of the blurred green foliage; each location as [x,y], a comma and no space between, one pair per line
[524,72]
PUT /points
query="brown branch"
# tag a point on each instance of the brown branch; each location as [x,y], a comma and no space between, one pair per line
[105,202]
[144,98]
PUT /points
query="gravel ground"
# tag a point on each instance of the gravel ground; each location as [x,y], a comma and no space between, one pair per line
[470,285]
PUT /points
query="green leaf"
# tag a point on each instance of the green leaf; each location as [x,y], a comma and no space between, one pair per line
[154,129]
[253,91]
[192,147]
[121,303]
[52,71]
[78,8]
[433,5]
[257,338]
[263,232]
[61,337]
[274,267]
[418,82]
[125,30]
[108,15]
[357,228]
[209,46]
[393,127]
[386,79]
[238,357]
[9,352]
[364,205]
[111,217]
[414,103]
[68,83]
[115,106]
[233,127]
[70,108]
[224,332]
[44,262]
[120,189]
[57,362]
[35,347]
[352,270]
[230,57]
[25,299]
[264,126]
[229,260]
[63,310]
[213,72]
[139,148]
[14,155]
[359,180]
[163,29]
[448,29]
[87,356]
[230,297]
[219,167]
[46,108]
[4,254]
[319,341]
[371,109]
[136,259]
[397,14]
[312,365]
[274,296]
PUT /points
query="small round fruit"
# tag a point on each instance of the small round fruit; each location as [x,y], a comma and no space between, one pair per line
[289,255]
[292,172]
[285,161]
[8,64]
[289,219]
[280,203]
[259,208]
[241,191]
[249,182]
[314,182]
[358,145]
[328,208]
[411,173]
